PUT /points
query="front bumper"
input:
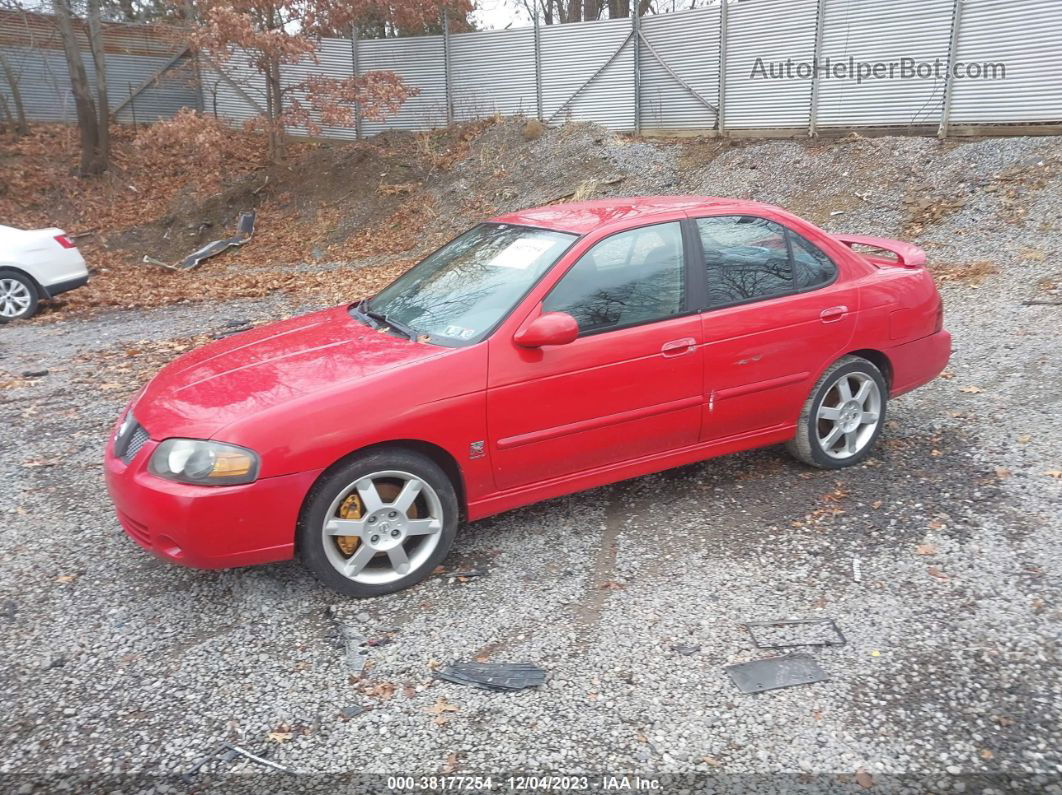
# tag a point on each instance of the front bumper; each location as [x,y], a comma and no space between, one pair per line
[206,527]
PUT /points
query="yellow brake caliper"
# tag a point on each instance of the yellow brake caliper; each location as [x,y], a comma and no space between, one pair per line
[351,508]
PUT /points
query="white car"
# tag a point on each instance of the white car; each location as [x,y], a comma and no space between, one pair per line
[36,264]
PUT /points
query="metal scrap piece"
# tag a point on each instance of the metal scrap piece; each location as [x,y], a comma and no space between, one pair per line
[773,673]
[244,232]
[826,633]
[505,677]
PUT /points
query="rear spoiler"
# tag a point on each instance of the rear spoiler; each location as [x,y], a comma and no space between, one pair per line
[907,255]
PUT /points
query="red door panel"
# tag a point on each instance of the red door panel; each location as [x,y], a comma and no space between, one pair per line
[603,399]
[761,359]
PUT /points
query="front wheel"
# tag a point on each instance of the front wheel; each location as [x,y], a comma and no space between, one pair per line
[379,523]
[843,416]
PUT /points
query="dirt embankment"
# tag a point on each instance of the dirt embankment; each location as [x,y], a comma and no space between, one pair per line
[341,219]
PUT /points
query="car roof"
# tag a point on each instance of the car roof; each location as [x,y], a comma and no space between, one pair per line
[584,217]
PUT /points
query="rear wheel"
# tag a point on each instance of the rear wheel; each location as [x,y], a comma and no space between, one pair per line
[843,416]
[18,296]
[379,523]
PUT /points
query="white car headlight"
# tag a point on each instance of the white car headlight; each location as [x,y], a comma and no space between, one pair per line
[203,463]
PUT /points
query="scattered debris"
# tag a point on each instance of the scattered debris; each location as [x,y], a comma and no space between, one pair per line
[857,573]
[231,327]
[34,373]
[352,711]
[824,630]
[356,649]
[686,650]
[244,232]
[493,676]
[152,261]
[773,673]
[227,753]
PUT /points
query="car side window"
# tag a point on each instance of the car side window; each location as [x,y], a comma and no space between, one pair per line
[629,278]
[745,258]
[811,266]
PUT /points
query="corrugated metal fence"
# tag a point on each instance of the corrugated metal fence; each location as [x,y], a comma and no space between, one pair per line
[739,67]
[150,75]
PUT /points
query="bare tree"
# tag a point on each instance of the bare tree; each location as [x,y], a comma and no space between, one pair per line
[99,60]
[18,118]
[87,118]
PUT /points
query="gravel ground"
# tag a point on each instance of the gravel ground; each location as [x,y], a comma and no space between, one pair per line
[940,558]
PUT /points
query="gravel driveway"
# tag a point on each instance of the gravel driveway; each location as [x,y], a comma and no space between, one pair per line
[940,558]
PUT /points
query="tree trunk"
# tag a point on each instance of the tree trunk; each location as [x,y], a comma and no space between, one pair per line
[21,127]
[87,120]
[99,60]
[591,10]
[275,111]
[575,11]
[619,8]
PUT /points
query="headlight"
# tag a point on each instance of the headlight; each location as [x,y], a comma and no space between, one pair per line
[203,463]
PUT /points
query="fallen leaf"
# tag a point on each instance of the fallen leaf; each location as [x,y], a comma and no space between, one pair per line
[971,390]
[816,714]
[864,779]
[1054,473]
[936,453]
[1024,438]
[382,691]
[409,691]
[985,754]
[711,760]
[440,706]
[926,549]
[935,572]
[279,736]
[66,578]
[875,504]
[1002,473]
[451,764]
[612,585]
[441,720]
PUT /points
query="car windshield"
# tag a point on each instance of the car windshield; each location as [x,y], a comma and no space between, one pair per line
[461,292]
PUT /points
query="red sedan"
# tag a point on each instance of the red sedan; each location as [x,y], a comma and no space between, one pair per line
[538,354]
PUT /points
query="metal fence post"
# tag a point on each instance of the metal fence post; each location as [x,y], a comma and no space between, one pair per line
[354,65]
[447,76]
[636,26]
[949,82]
[816,57]
[538,65]
[720,115]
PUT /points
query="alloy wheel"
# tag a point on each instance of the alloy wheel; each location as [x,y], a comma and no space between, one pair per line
[382,527]
[848,415]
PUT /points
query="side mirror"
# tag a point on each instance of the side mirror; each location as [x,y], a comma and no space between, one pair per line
[552,328]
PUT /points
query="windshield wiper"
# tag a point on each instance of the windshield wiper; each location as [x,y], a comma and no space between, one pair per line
[382,318]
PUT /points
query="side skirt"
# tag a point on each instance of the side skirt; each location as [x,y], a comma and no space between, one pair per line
[569,484]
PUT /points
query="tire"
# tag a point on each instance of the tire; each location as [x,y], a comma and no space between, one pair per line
[402,522]
[18,296]
[830,414]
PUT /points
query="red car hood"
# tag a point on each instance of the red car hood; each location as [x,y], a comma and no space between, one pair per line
[201,392]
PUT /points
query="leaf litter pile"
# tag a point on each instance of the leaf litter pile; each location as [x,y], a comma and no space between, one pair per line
[335,221]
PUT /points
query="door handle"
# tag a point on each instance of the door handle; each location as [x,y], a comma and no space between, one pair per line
[678,347]
[833,314]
